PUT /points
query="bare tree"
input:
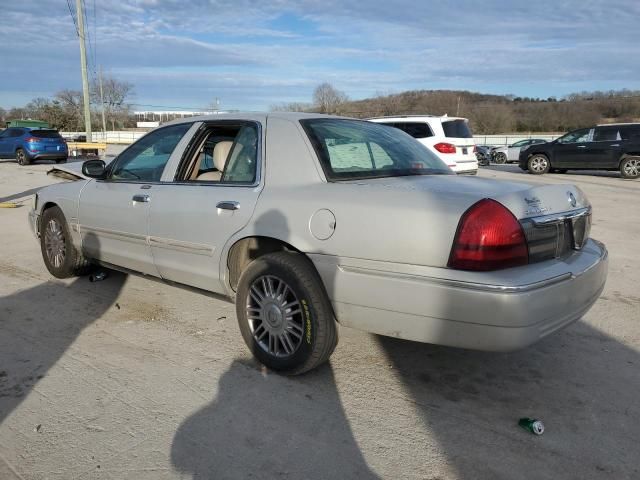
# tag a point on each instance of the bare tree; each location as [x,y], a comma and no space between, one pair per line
[328,99]
[291,107]
[115,94]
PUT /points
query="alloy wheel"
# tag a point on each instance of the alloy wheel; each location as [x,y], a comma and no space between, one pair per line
[275,316]
[54,243]
[632,168]
[539,164]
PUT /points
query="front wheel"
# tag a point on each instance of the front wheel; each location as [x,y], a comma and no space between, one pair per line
[21,157]
[284,314]
[630,167]
[538,164]
[60,256]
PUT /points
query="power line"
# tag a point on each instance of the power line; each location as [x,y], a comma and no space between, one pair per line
[73,18]
[87,32]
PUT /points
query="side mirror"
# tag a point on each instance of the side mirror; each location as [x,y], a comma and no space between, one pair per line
[94,168]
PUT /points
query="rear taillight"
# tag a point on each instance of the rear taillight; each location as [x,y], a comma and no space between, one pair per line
[31,139]
[489,237]
[445,147]
[475,149]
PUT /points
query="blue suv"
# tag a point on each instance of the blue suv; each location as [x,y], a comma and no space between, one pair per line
[27,145]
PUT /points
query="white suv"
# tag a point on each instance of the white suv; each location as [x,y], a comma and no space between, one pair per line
[449,138]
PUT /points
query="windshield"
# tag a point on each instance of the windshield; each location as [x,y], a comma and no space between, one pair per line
[351,149]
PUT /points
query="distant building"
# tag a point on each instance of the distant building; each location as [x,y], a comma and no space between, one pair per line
[167,115]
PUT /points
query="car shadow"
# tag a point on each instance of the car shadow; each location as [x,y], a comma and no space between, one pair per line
[581,383]
[14,196]
[39,324]
[265,425]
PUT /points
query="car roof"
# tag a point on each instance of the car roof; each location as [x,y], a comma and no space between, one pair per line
[424,118]
[255,116]
[620,124]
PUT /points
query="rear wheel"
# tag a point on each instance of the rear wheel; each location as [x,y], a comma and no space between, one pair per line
[630,167]
[21,157]
[60,256]
[538,164]
[500,158]
[284,314]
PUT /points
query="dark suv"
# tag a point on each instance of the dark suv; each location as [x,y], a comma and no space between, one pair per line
[604,147]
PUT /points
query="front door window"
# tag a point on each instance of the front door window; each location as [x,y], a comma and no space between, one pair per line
[145,160]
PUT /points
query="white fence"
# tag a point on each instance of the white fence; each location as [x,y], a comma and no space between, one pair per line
[115,136]
[126,137]
[508,139]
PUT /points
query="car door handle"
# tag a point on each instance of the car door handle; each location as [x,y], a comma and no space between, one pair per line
[228,205]
[141,198]
[582,146]
[615,145]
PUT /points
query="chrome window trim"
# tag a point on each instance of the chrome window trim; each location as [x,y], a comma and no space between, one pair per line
[115,161]
[259,163]
[259,159]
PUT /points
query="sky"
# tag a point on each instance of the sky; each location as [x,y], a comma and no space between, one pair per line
[252,54]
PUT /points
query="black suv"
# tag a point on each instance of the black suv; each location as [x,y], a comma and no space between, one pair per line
[604,147]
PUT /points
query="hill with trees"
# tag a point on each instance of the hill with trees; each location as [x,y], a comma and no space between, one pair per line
[489,114]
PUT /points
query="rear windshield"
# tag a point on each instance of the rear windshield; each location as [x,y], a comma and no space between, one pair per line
[456,129]
[350,149]
[45,134]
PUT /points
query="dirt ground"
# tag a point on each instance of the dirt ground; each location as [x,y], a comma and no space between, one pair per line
[130,378]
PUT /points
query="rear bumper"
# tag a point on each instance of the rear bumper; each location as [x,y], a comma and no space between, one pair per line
[401,301]
[47,155]
[466,167]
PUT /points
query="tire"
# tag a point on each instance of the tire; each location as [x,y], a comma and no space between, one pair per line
[538,164]
[500,158]
[630,167]
[289,344]
[60,256]
[21,157]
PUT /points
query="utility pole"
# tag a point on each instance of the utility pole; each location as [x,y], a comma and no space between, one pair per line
[83,66]
[104,123]
[458,109]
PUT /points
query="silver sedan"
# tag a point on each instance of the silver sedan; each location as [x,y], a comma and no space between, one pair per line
[309,221]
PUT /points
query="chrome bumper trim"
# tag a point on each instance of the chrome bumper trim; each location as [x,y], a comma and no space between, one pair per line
[478,286]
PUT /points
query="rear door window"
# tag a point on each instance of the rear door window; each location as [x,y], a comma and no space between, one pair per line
[456,129]
[415,129]
[631,132]
[606,134]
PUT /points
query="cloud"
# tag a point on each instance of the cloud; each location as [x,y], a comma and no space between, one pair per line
[253,53]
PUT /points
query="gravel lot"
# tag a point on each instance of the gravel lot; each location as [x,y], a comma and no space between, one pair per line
[131,378]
